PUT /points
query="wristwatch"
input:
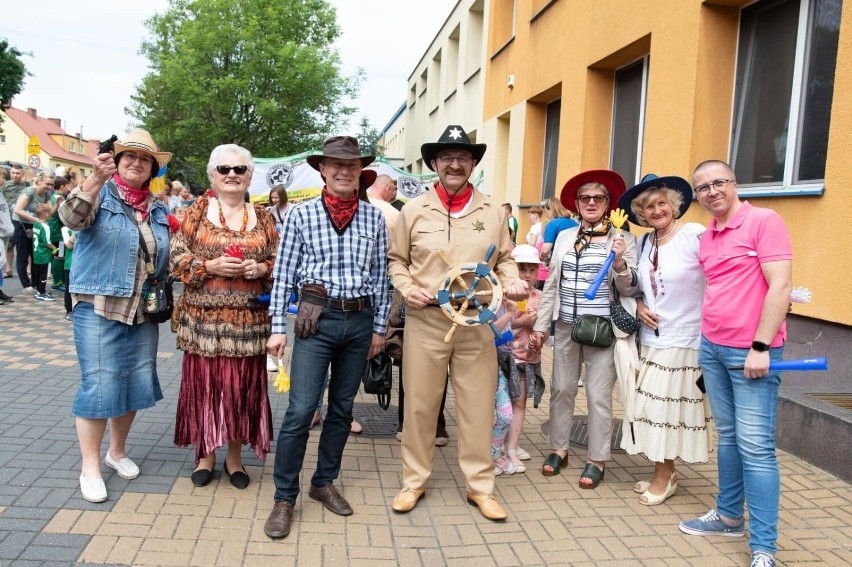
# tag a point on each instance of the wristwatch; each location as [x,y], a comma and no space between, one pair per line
[759,346]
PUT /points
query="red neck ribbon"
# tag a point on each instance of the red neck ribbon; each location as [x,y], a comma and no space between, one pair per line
[456,202]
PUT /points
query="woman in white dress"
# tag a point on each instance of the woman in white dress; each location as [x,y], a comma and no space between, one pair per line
[671,415]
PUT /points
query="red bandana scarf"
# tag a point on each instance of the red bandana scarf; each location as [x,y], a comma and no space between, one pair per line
[457,202]
[340,210]
[136,198]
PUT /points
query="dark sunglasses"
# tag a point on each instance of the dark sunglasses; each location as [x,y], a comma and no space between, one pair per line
[226,169]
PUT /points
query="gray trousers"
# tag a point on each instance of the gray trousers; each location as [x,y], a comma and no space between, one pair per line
[568,359]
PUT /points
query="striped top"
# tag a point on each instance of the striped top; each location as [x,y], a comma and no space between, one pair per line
[577,274]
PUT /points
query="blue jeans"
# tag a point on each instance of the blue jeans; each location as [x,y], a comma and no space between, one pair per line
[342,342]
[745,412]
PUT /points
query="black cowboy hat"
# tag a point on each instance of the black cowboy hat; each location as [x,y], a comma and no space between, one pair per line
[453,138]
[651,181]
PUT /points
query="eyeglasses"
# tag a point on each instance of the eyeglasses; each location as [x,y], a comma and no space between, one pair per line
[226,169]
[718,185]
[448,160]
[131,157]
[597,199]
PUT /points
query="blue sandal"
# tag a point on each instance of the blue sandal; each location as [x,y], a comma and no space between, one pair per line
[593,473]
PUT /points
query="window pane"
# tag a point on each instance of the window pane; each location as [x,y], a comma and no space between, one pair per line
[767,51]
[551,149]
[626,115]
[817,91]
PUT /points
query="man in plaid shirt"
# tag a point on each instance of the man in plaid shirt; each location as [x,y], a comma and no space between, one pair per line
[334,250]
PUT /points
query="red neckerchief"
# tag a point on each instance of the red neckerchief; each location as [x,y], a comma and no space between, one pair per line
[340,210]
[454,203]
[136,198]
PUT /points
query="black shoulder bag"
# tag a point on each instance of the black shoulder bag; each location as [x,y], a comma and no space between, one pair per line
[590,330]
[157,297]
[378,378]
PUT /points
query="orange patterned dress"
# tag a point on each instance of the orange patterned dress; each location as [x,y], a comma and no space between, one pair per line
[222,329]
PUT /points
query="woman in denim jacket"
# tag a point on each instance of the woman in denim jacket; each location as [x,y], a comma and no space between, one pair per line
[116,343]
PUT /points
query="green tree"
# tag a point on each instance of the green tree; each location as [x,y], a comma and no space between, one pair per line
[368,137]
[12,76]
[259,73]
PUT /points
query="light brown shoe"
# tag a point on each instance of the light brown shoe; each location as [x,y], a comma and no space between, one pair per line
[407,499]
[489,507]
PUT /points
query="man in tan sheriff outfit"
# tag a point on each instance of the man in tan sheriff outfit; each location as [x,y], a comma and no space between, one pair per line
[460,223]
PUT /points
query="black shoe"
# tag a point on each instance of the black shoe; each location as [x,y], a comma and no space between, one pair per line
[5,297]
[201,477]
[239,479]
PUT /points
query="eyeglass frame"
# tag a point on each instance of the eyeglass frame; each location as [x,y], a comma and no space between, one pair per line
[133,156]
[704,188]
[226,169]
[447,161]
[598,199]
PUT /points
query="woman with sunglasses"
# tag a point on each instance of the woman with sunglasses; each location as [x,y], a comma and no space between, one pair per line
[578,255]
[670,413]
[224,254]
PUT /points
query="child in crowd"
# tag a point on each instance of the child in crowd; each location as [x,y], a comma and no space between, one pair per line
[179,212]
[506,373]
[43,251]
[68,239]
[530,381]
[61,188]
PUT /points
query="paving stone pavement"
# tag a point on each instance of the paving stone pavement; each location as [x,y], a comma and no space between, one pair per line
[160,518]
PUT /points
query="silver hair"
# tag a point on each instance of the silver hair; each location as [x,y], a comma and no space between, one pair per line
[220,151]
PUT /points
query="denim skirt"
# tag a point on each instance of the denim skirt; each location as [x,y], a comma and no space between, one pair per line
[118,363]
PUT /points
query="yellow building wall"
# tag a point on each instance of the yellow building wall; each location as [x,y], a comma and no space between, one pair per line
[576,45]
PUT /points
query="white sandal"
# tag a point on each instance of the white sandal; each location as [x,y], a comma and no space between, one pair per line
[512,455]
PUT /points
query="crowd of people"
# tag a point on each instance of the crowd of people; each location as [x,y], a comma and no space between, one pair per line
[675,309]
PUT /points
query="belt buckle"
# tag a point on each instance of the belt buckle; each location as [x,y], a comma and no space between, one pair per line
[356,305]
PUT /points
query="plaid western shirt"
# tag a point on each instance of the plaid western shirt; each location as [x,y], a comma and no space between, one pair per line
[349,266]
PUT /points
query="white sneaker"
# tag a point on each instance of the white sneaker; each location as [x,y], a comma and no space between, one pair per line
[93,489]
[125,467]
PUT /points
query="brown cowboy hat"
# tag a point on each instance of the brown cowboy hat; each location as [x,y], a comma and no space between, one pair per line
[613,182]
[453,138]
[340,147]
[140,141]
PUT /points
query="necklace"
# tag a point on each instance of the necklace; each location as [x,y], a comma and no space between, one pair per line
[222,216]
[658,239]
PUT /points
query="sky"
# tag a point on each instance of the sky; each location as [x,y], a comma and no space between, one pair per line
[85,60]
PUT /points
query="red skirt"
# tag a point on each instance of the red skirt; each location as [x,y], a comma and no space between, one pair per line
[223,399]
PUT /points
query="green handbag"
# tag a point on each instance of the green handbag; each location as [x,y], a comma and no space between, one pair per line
[592,330]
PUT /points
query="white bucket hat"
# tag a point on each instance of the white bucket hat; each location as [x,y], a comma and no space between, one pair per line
[526,254]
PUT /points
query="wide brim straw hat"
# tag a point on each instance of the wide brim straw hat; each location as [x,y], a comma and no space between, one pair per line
[140,141]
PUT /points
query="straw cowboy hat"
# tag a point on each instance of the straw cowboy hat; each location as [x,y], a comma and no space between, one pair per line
[453,138]
[651,181]
[340,147]
[140,141]
[613,182]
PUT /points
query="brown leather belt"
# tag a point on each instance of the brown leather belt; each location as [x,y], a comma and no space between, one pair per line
[357,304]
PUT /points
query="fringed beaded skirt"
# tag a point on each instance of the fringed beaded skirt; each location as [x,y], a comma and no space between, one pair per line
[223,399]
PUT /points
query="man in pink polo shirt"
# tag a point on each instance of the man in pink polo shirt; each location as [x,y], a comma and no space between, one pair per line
[747,259]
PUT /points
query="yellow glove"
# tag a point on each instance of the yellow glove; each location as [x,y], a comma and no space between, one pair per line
[282,379]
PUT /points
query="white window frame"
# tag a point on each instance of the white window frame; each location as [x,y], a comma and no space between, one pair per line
[787,187]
